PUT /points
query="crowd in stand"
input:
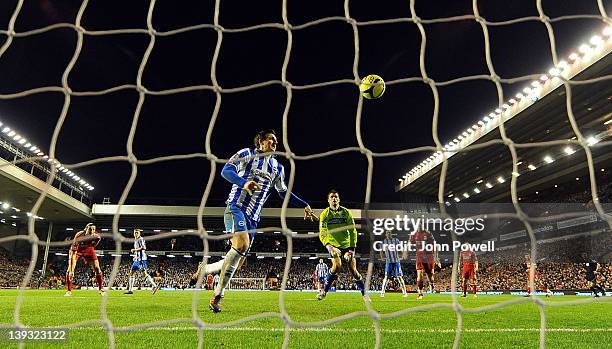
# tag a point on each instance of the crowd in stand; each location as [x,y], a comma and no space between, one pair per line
[559,264]
[13,269]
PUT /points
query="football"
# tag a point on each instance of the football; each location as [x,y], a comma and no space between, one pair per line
[372,86]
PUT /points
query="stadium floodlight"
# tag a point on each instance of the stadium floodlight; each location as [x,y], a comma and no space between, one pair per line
[512,101]
[486,119]
[466,195]
[476,190]
[563,64]
[475,127]
[596,40]
[501,179]
[14,217]
[1,123]
[260,257]
[470,130]
[573,56]
[607,31]
[40,153]
[527,90]
[451,195]
[548,159]
[498,110]
[592,141]
[11,133]
[520,95]
[608,122]
[531,167]
[544,77]
[488,185]
[492,115]
[455,140]
[554,72]
[577,178]
[569,150]
[506,106]
[187,256]
[16,209]
[170,256]
[6,206]
[27,145]
[535,84]
[17,137]
[516,174]
[465,134]
[584,48]
[457,199]
[6,130]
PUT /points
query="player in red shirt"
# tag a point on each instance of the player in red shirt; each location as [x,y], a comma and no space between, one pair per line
[83,245]
[536,277]
[426,258]
[209,282]
[468,259]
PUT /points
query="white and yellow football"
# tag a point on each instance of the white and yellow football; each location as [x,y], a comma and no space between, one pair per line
[372,86]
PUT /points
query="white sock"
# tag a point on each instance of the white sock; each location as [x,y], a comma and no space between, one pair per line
[401,280]
[131,280]
[151,280]
[384,286]
[232,259]
[213,268]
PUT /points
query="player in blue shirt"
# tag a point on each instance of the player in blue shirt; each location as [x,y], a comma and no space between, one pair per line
[321,271]
[392,263]
[140,262]
[253,173]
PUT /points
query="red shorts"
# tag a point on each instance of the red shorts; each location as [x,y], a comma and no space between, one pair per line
[425,265]
[536,275]
[88,254]
[468,271]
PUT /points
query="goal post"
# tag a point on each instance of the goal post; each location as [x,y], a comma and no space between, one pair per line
[247,284]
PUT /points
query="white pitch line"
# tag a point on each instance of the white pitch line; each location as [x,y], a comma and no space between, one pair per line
[359,330]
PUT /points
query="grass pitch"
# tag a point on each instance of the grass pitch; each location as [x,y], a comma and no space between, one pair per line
[514,325]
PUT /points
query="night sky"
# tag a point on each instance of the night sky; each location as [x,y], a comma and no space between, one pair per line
[320,119]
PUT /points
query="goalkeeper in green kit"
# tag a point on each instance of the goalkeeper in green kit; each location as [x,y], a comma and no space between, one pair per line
[340,243]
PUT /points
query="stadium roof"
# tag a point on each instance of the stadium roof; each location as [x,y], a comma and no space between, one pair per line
[20,190]
[484,173]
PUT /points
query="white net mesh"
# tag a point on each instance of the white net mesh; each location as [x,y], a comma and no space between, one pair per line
[219,91]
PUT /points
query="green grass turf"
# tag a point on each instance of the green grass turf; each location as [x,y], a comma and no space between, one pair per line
[512,326]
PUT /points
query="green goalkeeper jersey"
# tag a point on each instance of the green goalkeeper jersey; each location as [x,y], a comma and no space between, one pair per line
[330,220]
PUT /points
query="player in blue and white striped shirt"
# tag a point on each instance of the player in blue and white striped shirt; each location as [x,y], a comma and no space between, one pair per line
[139,263]
[321,270]
[392,263]
[253,173]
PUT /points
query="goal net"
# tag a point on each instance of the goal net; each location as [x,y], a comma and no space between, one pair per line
[559,78]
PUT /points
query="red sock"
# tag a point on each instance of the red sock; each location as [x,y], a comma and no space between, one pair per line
[474,288]
[420,285]
[68,282]
[464,288]
[99,281]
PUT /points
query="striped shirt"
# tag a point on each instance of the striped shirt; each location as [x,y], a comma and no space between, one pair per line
[391,256]
[140,255]
[251,165]
[322,270]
